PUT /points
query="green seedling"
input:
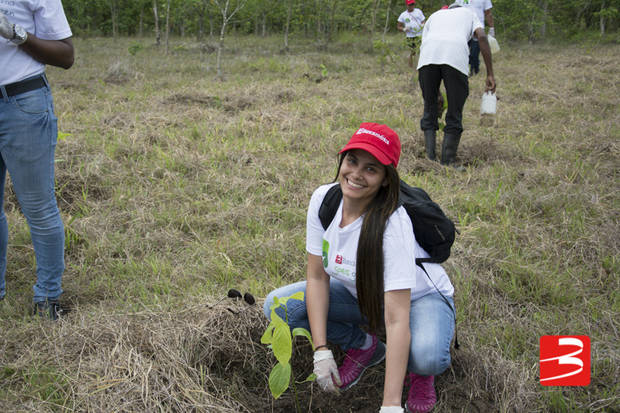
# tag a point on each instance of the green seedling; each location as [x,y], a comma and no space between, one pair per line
[279,337]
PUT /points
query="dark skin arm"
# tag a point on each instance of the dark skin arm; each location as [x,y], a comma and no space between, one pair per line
[485,50]
[50,52]
[488,16]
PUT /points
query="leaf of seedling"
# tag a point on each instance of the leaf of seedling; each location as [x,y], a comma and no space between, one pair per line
[279,379]
[299,295]
[311,377]
[300,331]
[267,337]
[276,304]
[282,342]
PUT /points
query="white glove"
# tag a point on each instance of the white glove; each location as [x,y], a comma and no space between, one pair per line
[326,371]
[492,31]
[6,27]
[391,409]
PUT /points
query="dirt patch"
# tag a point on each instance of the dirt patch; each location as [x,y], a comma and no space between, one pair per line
[227,104]
[474,152]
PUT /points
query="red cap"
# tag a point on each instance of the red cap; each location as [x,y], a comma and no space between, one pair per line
[410,2]
[444,7]
[378,140]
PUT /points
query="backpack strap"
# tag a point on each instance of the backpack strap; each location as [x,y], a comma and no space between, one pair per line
[456,336]
[330,205]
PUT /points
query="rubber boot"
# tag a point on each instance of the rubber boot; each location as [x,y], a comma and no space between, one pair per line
[448,148]
[430,141]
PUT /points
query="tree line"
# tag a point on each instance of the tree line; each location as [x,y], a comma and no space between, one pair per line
[321,19]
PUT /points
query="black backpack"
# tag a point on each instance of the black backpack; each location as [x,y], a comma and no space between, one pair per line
[433,230]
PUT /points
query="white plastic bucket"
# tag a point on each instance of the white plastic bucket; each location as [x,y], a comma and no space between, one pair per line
[493,44]
[488,104]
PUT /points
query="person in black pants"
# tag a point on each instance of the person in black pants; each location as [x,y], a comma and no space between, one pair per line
[444,55]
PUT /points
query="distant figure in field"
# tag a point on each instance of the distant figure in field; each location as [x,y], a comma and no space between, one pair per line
[482,10]
[362,278]
[444,56]
[411,22]
[34,33]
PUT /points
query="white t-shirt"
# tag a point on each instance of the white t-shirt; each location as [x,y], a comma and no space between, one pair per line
[45,19]
[445,37]
[338,247]
[412,21]
[479,7]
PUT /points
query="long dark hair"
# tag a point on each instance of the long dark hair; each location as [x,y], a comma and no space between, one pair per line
[369,263]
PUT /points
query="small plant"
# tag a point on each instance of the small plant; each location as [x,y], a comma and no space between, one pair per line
[134,48]
[324,72]
[279,337]
[385,53]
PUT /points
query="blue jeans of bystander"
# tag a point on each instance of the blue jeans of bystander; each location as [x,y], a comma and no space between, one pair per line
[28,135]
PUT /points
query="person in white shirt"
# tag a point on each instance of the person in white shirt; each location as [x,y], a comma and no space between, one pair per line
[362,272]
[444,56]
[411,22]
[33,33]
[482,10]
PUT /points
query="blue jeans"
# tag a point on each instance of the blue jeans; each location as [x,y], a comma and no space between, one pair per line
[28,134]
[474,56]
[431,323]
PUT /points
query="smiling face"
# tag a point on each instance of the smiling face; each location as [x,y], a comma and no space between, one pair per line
[361,176]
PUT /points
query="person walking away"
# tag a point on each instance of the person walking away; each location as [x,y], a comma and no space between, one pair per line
[33,34]
[362,272]
[482,10]
[411,22]
[444,56]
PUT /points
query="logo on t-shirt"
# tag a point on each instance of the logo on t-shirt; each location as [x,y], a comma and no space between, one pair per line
[338,259]
[325,253]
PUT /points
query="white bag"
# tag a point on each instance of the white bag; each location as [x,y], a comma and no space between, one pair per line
[493,44]
[488,104]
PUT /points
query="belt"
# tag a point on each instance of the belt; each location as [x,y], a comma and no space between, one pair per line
[24,86]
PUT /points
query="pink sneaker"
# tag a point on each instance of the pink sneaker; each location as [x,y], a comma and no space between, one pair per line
[421,397]
[356,361]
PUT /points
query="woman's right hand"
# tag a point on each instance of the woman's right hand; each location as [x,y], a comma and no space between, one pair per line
[326,371]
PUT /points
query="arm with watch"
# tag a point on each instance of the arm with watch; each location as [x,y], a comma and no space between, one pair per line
[51,52]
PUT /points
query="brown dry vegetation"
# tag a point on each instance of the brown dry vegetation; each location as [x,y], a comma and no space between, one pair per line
[175,186]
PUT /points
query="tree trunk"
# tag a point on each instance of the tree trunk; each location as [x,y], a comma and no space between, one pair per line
[141,25]
[373,20]
[288,22]
[543,27]
[331,21]
[264,24]
[167,25]
[387,20]
[157,32]
[602,18]
[114,12]
[318,19]
[220,44]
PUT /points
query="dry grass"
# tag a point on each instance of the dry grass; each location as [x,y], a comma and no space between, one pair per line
[175,187]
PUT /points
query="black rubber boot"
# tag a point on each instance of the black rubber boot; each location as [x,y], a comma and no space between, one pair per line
[430,140]
[448,148]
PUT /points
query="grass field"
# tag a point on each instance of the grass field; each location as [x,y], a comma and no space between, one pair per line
[175,186]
